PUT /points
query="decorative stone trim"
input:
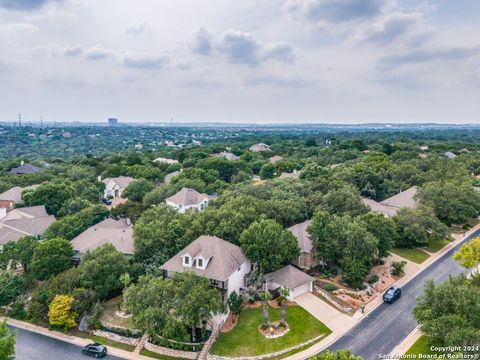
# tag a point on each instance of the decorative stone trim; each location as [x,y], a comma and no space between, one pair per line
[266,356]
[117,338]
[170,352]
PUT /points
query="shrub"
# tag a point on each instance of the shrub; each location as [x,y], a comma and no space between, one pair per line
[398,267]
[279,300]
[372,279]
[18,310]
[235,303]
[330,287]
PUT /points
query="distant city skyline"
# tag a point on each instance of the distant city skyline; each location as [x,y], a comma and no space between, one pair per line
[274,61]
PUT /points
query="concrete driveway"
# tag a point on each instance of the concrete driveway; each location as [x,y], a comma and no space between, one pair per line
[334,319]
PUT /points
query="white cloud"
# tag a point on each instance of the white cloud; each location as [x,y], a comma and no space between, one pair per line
[137,29]
[17,27]
[145,61]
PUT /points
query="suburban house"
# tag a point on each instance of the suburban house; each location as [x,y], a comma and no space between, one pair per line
[260,147]
[220,261]
[32,221]
[390,206]
[187,199]
[293,175]
[24,169]
[119,233]
[114,187]
[450,155]
[307,259]
[13,196]
[227,155]
[275,159]
[291,278]
[162,160]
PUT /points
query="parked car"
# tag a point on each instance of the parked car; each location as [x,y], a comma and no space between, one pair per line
[392,294]
[107,201]
[96,350]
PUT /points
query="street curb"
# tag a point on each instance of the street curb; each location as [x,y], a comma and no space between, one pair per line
[406,343]
[330,341]
[70,339]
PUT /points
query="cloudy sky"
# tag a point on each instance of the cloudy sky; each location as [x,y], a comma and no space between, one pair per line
[269,61]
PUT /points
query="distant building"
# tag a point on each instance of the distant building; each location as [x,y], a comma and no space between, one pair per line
[293,175]
[114,187]
[163,160]
[260,147]
[227,155]
[450,155]
[112,122]
[275,159]
[138,147]
[24,169]
[187,199]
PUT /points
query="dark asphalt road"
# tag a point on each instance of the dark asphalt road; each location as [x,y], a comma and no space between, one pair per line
[33,346]
[385,327]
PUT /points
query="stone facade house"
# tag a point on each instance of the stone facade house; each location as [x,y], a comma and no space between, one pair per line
[307,258]
[114,187]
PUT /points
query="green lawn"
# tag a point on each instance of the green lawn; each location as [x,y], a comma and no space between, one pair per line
[411,254]
[246,340]
[108,342]
[434,246]
[421,346]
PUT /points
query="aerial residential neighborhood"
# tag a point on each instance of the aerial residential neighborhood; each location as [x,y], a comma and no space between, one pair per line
[239,180]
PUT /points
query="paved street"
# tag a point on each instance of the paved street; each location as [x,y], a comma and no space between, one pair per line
[382,330]
[33,346]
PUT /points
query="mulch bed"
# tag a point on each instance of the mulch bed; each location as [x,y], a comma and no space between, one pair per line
[230,323]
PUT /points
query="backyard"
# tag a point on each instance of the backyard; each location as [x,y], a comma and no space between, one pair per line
[246,340]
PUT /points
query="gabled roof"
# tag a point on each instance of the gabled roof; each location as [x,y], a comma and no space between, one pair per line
[403,199]
[303,237]
[121,181]
[169,177]
[289,277]
[223,257]
[293,175]
[25,169]
[109,231]
[188,196]
[14,194]
[20,222]
[227,155]
[391,205]
[450,155]
[275,159]
[166,160]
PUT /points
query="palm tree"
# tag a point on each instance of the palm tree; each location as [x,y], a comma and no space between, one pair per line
[266,297]
[284,293]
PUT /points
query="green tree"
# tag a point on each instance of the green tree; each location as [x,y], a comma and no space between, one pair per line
[344,200]
[322,234]
[267,171]
[383,229]
[159,234]
[19,252]
[448,313]
[338,355]
[137,189]
[454,202]
[169,307]
[416,226]
[51,257]
[73,225]
[469,256]
[7,342]
[100,269]
[235,303]
[10,288]
[60,312]
[267,244]
[52,194]
[73,206]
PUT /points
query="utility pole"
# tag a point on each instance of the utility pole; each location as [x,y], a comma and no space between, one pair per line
[20,120]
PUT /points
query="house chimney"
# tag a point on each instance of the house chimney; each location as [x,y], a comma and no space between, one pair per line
[22,163]
[99,178]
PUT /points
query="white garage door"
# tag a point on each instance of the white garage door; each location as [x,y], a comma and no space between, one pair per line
[301,290]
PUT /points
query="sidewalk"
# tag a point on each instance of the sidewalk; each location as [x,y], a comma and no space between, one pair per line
[71,339]
[372,305]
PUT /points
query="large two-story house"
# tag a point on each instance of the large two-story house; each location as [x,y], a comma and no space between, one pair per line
[187,199]
[114,187]
[220,261]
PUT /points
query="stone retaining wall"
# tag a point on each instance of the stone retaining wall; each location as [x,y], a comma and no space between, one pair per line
[266,356]
[117,338]
[170,352]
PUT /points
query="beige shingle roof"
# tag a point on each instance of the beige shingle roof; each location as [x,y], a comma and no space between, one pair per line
[121,181]
[275,159]
[188,196]
[109,231]
[223,258]
[227,155]
[390,206]
[301,234]
[289,277]
[15,194]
